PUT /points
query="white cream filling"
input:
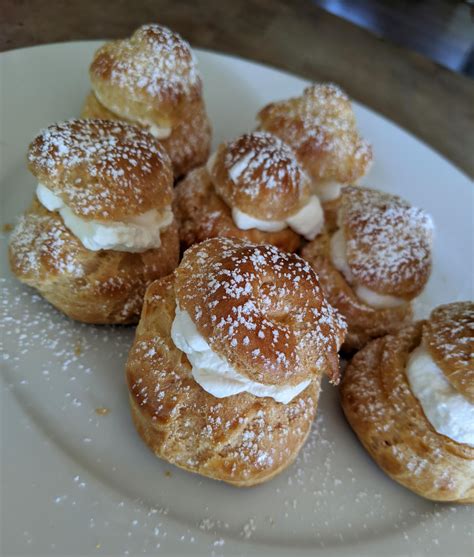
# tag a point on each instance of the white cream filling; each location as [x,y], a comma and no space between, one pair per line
[366,295]
[308,221]
[134,234]
[447,410]
[245,221]
[327,191]
[160,132]
[214,373]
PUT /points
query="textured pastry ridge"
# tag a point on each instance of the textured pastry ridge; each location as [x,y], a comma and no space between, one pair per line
[202,214]
[241,439]
[94,287]
[261,309]
[388,242]
[320,126]
[390,423]
[102,170]
[363,321]
[449,337]
[258,174]
[152,80]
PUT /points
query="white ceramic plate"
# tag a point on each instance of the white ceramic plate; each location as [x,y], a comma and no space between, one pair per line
[75,482]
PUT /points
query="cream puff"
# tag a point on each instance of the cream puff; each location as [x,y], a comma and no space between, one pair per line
[320,127]
[101,227]
[224,373]
[375,263]
[152,81]
[410,400]
[252,188]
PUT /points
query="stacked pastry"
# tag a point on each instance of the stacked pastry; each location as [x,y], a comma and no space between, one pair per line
[224,374]
[151,80]
[101,226]
[253,188]
[375,262]
[320,127]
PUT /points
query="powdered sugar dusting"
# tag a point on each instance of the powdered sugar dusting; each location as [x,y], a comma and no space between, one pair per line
[320,126]
[259,174]
[321,501]
[388,241]
[101,167]
[155,61]
[37,237]
[250,293]
[449,334]
[261,160]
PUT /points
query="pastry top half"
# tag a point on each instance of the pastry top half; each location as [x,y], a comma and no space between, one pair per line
[262,186]
[150,76]
[449,338]
[386,243]
[258,174]
[261,309]
[102,170]
[320,126]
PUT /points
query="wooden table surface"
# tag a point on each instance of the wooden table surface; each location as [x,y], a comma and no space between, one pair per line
[432,102]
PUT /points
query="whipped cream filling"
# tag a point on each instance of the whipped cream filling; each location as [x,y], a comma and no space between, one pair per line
[447,410]
[214,373]
[160,132]
[308,221]
[366,295]
[134,234]
[327,191]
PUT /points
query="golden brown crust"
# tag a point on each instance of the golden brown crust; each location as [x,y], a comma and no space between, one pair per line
[363,321]
[202,214]
[449,337]
[390,423]
[188,145]
[94,287]
[102,170]
[153,77]
[388,242]
[241,439]
[331,210]
[320,127]
[152,73]
[261,309]
[259,175]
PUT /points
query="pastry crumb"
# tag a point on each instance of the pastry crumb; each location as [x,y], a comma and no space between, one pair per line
[7,227]
[78,348]
[102,411]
